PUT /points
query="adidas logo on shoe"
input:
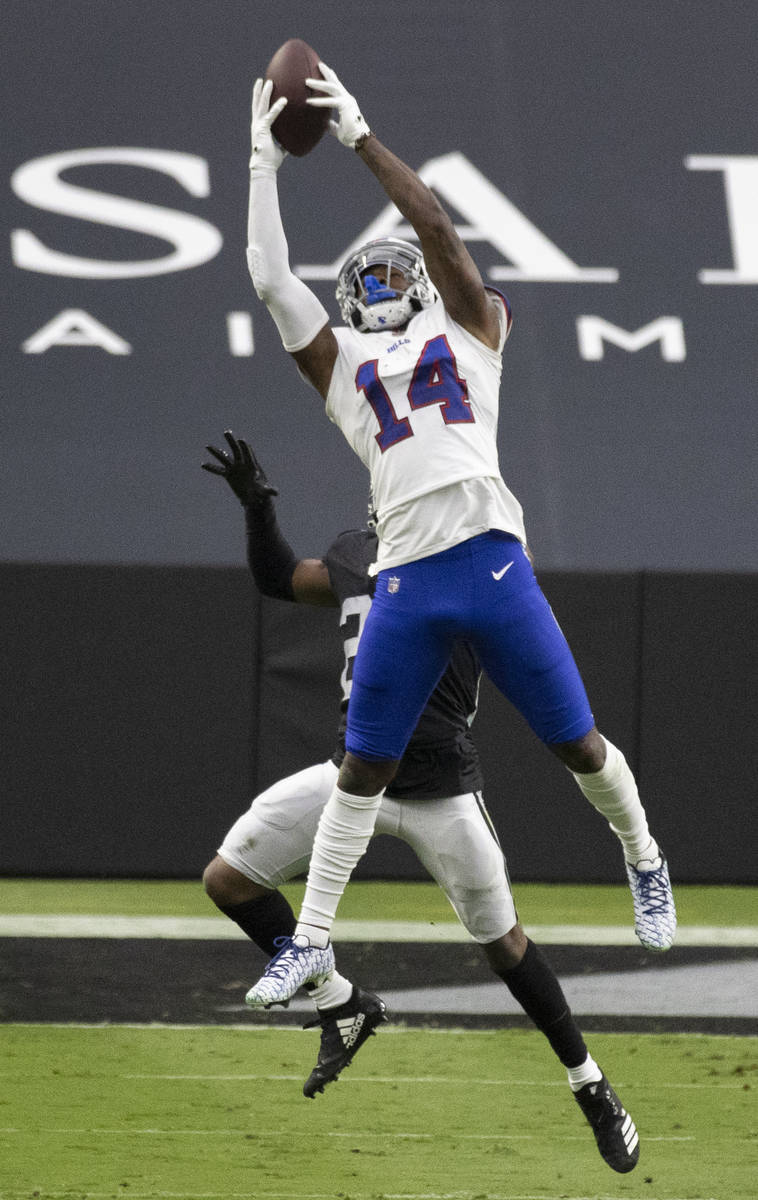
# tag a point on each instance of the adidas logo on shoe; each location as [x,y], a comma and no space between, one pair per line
[350,1028]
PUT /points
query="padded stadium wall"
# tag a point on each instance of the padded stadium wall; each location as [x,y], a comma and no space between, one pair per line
[143,708]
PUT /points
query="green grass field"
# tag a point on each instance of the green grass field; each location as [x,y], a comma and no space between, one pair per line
[195,1114]
[166,1113]
[538,903]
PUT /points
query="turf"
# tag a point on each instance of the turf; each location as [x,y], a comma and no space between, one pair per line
[198,1113]
[157,1113]
[596,904]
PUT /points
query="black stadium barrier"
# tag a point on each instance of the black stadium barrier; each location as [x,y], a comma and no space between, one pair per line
[143,707]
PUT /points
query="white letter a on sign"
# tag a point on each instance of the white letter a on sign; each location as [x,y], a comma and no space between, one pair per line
[490,217]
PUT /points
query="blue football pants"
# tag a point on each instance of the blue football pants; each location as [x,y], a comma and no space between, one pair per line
[484,591]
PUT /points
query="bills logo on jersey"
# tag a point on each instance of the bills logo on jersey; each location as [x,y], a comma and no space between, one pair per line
[393,584]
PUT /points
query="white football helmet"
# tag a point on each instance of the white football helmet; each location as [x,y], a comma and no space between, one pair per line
[366,302]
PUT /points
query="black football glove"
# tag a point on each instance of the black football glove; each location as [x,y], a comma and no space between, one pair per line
[241,470]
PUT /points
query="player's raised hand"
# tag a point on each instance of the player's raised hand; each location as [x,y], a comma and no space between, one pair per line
[266,153]
[241,470]
[350,126]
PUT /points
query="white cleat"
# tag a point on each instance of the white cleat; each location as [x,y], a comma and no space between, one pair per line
[654,908]
[297,962]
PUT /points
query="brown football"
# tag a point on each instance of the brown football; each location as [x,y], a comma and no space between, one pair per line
[298,127]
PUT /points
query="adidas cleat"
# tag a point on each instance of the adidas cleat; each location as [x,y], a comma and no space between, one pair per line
[615,1132]
[343,1032]
[296,963]
[654,908]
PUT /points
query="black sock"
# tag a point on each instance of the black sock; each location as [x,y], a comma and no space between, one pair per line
[263,919]
[534,984]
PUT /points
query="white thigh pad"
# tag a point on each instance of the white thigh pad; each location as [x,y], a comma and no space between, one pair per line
[272,841]
[454,840]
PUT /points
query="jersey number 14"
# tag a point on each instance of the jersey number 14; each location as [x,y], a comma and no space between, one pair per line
[435,381]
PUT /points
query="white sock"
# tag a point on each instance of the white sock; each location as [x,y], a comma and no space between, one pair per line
[333,991]
[650,859]
[343,834]
[588,1072]
[311,935]
[613,792]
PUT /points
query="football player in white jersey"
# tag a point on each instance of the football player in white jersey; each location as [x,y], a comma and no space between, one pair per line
[413,380]
[434,803]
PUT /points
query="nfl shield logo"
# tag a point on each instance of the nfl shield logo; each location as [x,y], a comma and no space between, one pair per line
[393,584]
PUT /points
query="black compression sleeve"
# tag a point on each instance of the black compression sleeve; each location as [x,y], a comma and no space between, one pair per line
[534,984]
[269,554]
[263,919]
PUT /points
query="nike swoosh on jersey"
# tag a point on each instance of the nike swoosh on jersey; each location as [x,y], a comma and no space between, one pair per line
[500,574]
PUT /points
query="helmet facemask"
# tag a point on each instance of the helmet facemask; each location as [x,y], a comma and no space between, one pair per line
[366,300]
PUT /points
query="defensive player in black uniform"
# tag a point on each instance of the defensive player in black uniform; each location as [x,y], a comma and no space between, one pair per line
[434,803]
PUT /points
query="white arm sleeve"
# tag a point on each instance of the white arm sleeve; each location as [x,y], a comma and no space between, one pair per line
[297,313]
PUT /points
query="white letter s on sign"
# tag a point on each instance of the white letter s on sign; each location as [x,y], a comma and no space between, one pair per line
[195,241]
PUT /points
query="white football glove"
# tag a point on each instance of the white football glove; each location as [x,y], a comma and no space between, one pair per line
[267,154]
[350,126]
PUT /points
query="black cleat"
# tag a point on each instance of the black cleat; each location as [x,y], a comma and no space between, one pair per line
[343,1031]
[615,1132]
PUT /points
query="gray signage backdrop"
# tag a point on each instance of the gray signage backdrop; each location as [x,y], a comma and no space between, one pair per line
[601,157]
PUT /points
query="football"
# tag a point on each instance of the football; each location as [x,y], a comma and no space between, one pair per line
[299,127]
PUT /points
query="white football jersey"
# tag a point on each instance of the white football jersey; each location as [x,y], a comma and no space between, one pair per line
[419,406]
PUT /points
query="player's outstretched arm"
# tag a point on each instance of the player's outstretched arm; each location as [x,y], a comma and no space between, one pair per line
[450,266]
[275,569]
[300,317]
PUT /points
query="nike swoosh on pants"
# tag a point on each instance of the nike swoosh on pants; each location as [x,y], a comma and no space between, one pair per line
[500,574]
